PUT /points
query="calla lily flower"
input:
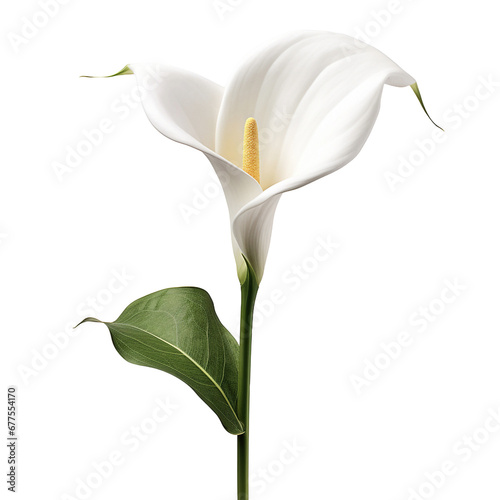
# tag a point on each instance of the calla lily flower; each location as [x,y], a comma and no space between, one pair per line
[315,97]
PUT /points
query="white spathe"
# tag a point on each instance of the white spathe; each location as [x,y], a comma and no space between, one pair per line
[315,96]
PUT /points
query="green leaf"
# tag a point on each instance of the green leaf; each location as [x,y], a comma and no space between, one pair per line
[177,330]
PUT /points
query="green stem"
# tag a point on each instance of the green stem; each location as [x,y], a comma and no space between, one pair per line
[249,291]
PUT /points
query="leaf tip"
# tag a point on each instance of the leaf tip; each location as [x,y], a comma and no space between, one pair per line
[90,320]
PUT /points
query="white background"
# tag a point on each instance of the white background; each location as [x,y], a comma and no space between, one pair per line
[120,211]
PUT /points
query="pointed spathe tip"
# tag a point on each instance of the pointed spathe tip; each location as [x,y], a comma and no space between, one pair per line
[415,89]
[124,71]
